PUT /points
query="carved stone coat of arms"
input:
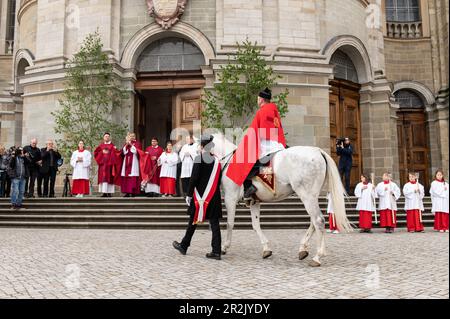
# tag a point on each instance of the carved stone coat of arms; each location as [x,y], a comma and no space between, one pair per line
[166,12]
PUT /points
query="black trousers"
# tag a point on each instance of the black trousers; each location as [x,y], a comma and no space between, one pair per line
[216,242]
[185,185]
[31,179]
[345,176]
[2,183]
[49,178]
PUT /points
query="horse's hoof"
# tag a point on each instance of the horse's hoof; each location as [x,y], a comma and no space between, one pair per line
[302,255]
[314,263]
[267,254]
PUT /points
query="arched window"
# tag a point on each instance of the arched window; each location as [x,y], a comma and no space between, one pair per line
[170,54]
[343,67]
[408,99]
[402,10]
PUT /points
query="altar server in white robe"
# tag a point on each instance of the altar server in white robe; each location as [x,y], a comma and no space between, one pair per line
[388,193]
[439,199]
[414,193]
[81,163]
[188,153]
[168,176]
[365,191]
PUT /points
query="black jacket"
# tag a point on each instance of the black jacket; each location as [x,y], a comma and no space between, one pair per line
[46,159]
[345,154]
[203,166]
[34,156]
[17,167]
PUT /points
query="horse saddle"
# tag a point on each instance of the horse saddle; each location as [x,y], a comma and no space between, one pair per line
[266,174]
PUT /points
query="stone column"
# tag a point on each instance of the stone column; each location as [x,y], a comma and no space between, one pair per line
[379,150]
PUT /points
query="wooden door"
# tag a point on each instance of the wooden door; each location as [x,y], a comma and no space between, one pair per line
[413,147]
[345,122]
[139,117]
[186,109]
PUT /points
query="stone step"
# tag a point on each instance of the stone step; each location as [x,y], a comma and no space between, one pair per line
[160,225]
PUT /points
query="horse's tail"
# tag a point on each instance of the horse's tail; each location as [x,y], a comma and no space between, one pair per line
[338,194]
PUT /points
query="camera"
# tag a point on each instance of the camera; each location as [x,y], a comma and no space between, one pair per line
[340,141]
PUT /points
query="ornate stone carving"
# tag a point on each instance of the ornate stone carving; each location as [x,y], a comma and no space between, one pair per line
[166,12]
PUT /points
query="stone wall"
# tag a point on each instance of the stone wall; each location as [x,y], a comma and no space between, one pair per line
[409,60]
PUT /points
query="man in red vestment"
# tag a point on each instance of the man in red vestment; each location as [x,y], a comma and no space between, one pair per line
[264,136]
[151,168]
[130,174]
[105,156]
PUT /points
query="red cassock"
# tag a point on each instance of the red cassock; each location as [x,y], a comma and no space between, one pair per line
[441,221]
[388,218]
[365,219]
[106,162]
[332,221]
[414,220]
[266,125]
[151,169]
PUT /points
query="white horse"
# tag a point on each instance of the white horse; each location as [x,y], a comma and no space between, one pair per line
[302,170]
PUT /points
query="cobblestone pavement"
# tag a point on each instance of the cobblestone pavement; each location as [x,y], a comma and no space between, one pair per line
[74,263]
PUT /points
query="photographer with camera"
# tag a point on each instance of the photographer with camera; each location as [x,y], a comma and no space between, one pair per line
[345,151]
[50,157]
[17,171]
[33,153]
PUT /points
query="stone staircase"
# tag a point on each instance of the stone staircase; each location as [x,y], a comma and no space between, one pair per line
[161,213]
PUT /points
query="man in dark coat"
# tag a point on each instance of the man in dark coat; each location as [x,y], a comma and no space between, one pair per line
[205,167]
[345,151]
[49,168]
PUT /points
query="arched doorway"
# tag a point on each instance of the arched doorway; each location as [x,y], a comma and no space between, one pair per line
[413,147]
[168,88]
[344,110]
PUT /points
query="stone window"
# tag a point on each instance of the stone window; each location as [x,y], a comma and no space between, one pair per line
[343,67]
[408,99]
[402,10]
[11,18]
[170,54]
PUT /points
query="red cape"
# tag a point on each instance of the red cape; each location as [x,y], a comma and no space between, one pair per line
[151,169]
[267,120]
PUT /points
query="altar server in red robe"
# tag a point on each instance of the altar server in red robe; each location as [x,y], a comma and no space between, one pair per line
[130,181]
[439,198]
[365,191]
[388,192]
[414,193]
[152,170]
[264,136]
[106,157]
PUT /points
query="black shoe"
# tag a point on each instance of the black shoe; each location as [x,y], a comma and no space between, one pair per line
[104,195]
[127,195]
[213,256]
[109,195]
[178,247]
[250,191]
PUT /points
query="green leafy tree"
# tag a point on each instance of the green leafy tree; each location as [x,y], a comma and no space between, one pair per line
[91,95]
[232,101]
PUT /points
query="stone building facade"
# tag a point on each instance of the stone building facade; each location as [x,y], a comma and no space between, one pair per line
[376,71]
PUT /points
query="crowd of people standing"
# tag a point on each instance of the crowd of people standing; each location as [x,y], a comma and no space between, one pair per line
[388,193]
